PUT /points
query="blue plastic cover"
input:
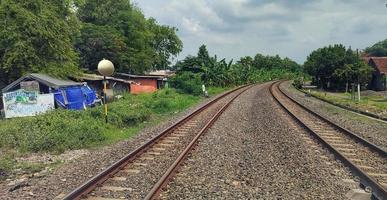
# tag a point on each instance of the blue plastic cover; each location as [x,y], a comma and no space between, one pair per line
[89,95]
[75,97]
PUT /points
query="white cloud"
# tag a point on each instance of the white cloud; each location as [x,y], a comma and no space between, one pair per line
[235,28]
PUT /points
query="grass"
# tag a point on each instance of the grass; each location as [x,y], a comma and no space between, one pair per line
[62,130]
[371,103]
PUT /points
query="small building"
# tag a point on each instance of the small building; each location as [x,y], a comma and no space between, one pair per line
[64,93]
[144,83]
[379,75]
[46,83]
[115,86]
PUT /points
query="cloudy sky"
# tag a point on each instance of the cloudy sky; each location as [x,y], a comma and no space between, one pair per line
[292,28]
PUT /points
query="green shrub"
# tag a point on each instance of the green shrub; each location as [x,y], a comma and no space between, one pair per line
[298,82]
[188,83]
[55,131]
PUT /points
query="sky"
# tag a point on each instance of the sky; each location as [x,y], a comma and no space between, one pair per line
[290,28]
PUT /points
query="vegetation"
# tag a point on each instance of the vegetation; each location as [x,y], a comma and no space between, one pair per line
[335,67]
[121,33]
[379,49]
[369,103]
[64,129]
[59,37]
[204,69]
[37,36]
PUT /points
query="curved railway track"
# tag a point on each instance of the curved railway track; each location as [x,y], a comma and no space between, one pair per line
[366,160]
[143,172]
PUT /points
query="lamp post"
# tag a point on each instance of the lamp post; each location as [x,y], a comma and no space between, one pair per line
[105,68]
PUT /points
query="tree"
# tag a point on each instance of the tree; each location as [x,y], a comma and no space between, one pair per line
[203,58]
[97,42]
[37,36]
[334,66]
[196,63]
[165,43]
[147,45]
[378,49]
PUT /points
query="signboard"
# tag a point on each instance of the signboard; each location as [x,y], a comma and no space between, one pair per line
[29,85]
[23,103]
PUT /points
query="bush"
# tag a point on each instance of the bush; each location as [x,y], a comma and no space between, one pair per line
[55,131]
[188,83]
[298,82]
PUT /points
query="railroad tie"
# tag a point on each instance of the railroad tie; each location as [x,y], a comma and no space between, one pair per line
[154,153]
[345,149]
[131,171]
[140,164]
[164,145]
[100,198]
[335,141]
[365,167]
[355,160]
[116,189]
[378,175]
[158,149]
[169,140]
[332,137]
[348,154]
[119,178]
[343,145]
[145,157]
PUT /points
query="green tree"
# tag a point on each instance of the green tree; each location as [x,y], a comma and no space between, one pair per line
[166,44]
[97,42]
[37,36]
[378,49]
[335,66]
[147,45]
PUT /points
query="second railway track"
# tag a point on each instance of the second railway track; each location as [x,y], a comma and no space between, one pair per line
[137,175]
[365,160]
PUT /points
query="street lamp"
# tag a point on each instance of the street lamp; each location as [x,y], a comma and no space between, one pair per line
[105,68]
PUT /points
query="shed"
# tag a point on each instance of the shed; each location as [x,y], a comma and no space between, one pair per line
[379,76]
[144,83]
[117,85]
[67,94]
[46,83]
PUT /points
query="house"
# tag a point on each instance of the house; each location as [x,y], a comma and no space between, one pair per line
[379,75]
[35,93]
[144,83]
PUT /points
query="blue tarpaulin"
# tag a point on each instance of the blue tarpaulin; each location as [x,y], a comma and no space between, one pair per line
[75,97]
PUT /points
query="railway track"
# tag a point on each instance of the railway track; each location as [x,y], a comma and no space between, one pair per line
[143,172]
[366,161]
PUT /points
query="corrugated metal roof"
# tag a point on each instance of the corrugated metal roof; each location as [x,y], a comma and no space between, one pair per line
[43,79]
[140,76]
[95,77]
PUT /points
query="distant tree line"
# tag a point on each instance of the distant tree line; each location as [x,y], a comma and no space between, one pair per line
[193,71]
[59,37]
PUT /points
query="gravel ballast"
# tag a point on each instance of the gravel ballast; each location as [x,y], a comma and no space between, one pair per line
[372,130]
[256,151]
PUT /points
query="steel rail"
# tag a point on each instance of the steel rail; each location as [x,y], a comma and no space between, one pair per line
[168,175]
[101,177]
[378,190]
